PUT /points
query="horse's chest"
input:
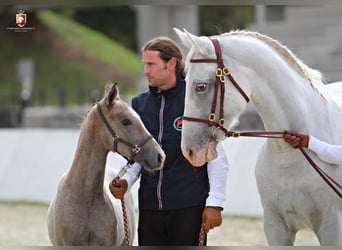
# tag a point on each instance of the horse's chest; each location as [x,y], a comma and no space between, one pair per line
[294,204]
[95,215]
[88,224]
[287,195]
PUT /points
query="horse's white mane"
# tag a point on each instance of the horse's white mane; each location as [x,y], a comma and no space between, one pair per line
[314,76]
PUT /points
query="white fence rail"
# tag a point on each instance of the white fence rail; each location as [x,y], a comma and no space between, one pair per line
[33,160]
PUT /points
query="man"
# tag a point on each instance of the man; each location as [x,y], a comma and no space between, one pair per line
[175,202]
[326,152]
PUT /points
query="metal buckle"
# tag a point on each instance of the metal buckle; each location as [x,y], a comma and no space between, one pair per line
[221,122]
[136,149]
[236,134]
[222,79]
[211,117]
[123,170]
[226,71]
[219,72]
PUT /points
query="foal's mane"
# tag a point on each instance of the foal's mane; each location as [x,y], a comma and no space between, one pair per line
[314,76]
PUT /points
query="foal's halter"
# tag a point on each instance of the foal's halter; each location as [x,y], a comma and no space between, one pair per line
[221,72]
[135,149]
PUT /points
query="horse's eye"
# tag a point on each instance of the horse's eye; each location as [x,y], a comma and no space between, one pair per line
[126,122]
[200,87]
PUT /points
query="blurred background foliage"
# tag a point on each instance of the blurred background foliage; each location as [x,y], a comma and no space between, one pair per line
[77,50]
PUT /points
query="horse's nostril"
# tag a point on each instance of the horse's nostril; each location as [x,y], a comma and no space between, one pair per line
[160,158]
[190,153]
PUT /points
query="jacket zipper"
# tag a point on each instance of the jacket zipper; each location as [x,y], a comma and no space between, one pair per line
[160,135]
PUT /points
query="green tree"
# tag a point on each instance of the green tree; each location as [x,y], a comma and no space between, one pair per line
[118,22]
[216,19]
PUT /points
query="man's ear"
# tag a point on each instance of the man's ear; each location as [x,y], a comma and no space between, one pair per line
[173,62]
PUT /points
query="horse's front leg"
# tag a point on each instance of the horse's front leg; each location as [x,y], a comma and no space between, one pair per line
[276,231]
[330,230]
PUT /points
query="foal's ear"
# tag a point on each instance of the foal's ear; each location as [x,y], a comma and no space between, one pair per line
[111,92]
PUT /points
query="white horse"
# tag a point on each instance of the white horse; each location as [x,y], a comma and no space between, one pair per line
[83,211]
[287,95]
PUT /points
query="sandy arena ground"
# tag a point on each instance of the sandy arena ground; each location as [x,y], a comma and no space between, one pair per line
[23,224]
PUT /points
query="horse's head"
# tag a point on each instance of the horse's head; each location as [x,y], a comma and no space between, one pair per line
[122,131]
[199,138]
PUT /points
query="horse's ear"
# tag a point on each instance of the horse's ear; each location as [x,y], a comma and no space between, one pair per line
[190,40]
[183,37]
[111,92]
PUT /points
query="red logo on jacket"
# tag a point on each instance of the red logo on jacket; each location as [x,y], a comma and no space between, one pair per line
[177,123]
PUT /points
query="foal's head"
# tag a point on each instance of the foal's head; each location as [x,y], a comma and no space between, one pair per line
[122,131]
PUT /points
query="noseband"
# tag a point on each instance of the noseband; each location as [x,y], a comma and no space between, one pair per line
[221,72]
[135,149]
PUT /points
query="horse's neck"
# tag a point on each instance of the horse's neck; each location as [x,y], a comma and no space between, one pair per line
[287,101]
[88,167]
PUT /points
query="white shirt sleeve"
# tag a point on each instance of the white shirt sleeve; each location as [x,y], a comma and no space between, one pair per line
[327,152]
[132,175]
[217,173]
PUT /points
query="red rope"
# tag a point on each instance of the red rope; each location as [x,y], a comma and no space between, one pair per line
[201,236]
[123,205]
[123,208]
[125,219]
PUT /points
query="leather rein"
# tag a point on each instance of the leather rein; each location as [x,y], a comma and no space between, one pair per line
[220,73]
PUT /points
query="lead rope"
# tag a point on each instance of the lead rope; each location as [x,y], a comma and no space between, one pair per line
[123,204]
[201,236]
[124,215]
[125,220]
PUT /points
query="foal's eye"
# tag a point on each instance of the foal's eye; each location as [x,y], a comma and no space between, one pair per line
[126,122]
[200,87]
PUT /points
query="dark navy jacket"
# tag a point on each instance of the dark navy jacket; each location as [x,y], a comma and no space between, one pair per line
[178,184]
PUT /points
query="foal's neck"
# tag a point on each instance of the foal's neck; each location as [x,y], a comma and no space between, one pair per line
[88,167]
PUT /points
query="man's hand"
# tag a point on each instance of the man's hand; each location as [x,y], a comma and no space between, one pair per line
[211,217]
[118,187]
[296,139]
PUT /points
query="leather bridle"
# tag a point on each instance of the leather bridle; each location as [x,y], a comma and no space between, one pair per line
[221,72]
[135,149]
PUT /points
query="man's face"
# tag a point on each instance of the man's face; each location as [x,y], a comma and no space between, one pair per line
[156,70]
